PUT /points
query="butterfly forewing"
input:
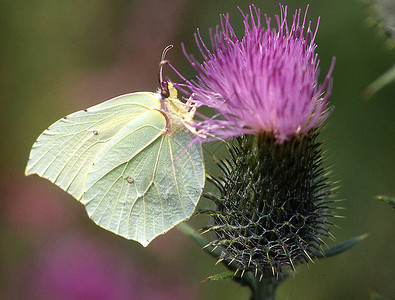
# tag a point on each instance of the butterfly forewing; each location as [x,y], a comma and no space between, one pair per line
[124,170]
[66,151]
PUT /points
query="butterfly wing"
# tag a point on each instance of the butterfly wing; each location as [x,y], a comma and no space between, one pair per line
[144,182]
[66,151]
[135,179]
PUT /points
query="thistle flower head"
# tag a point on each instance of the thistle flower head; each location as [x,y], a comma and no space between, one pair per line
[265,82]
[273,202]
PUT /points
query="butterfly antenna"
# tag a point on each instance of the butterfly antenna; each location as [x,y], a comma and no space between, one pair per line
[164,86]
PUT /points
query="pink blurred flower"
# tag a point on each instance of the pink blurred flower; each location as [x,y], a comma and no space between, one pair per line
[35,209]
[82,267]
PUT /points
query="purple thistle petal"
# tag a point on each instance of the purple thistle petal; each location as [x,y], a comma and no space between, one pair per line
[265,82]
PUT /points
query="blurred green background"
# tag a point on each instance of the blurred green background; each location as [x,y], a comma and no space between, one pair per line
[57,57]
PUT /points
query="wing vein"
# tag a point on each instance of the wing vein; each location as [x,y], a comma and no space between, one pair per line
[175,176]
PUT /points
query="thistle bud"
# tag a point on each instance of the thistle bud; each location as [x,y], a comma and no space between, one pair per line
[272,206]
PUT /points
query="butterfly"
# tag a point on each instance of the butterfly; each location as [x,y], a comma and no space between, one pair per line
[131,161]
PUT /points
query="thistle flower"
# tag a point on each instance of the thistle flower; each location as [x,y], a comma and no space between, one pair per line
[265,82]
[272,205]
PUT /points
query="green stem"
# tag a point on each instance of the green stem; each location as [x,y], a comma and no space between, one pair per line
[264,289]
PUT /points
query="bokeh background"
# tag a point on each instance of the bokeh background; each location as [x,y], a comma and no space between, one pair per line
[57,57]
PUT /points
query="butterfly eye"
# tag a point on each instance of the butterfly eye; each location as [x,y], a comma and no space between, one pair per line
[164,89]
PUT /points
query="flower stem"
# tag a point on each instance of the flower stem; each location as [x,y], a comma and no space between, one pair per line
[264,289]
